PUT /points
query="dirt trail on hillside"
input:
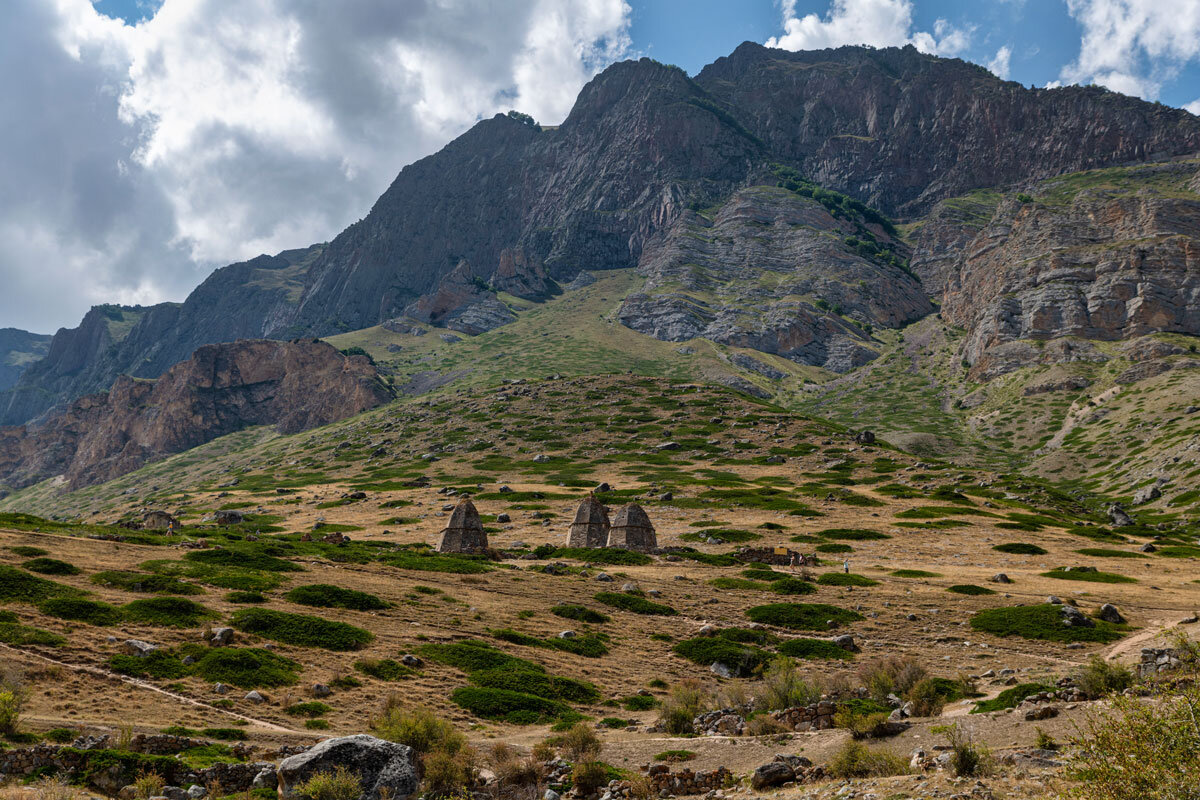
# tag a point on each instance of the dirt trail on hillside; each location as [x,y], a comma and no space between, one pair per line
[265,725]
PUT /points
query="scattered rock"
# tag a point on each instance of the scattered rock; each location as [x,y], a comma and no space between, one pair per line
[384,769]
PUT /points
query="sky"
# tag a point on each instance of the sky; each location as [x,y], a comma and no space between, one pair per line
[146,142]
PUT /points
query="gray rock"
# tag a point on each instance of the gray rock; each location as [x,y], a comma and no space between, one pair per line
[550,794]
[604,577]
[722,670]
[321,690]
[1054,600]
[137,647]
[502,517]
[1072,617]
[773,773]
[846,642]
[566,635]
[1118,517]
[267,779]
[255,697]
[221,637]
[196,791]
[383,768]
[629,587]
[1110,613]
[409,660]
[220,688]
[1147,494]
[1000,577]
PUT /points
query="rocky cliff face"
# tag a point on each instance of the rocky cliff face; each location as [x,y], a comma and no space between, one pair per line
[223,388]
[775,271]
[901,130]
[19,349]
[1102,256]
[238,301]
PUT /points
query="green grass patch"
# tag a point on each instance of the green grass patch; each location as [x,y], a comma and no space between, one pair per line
[301,629]
[1042,622]
[243,559]
[802,616]
[77,609]
[1020,549]
[631,602]
[145,582]
[628,558]
[793,586]
[167,612]
[50,566]
[742,660]
[425,561]
[580,613]
[22,635]
[245,598]
[517,708]
[385,669]
[969,589]
[814,649]
[1011,698]
[17,586]
[852,535]
[834,547]
[1100,552]
[914,573]
[325,595]
[1088,577]
[845,579]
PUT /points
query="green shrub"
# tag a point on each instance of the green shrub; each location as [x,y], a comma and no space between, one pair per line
[28,552]
[845,579]
[423,561]
[79,610]
[1099,678]
[517,708]
[21,587]
[468,655]
[834,547]
[1140,748]
[675,756]
[337,784]
[914,573]
[1089,577]
[1020,549]
[793,586]
[243,559]
[638,702]
[1100,552]
[1041,622]
[705,651]
[312,708]
[167,612]
[50,566]
[615,556]
[738,584]
[421,730]
[60,735]
[578,612]
[245,667]
[324,595]
[532,679]
[150,583]
[384,669]
[970,589]
[814,648]
[852,535]
[301,629]
[784,687]
[969,759]
[162,664]
[802,616]
[1011,698]
[631,602]
[224,734]
[855,760]
[317,725]
[245,598]
[683,703]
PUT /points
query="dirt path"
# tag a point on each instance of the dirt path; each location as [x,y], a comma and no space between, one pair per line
[140,684]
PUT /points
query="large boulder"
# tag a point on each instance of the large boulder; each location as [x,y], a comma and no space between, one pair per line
[383,768]
[773,773]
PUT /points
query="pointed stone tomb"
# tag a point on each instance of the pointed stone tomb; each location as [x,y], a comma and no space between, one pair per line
[631,530]
[464,532]
[590,528]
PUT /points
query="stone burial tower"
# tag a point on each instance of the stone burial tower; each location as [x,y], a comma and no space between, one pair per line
[464,532]
[590,528]
[631,530]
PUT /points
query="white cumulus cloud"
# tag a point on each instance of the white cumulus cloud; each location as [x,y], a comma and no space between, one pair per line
[147,154]
[1194,107]
[1001,63]
[879,23]
[1133,46]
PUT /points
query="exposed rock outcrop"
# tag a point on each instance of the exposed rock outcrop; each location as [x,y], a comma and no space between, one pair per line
[19,349]
[738,278]
[462,302]
[223,388]
[1098,262]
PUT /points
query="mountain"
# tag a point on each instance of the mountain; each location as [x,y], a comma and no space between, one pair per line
[221,389]
[668,175]
[19,349]
[239,301]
